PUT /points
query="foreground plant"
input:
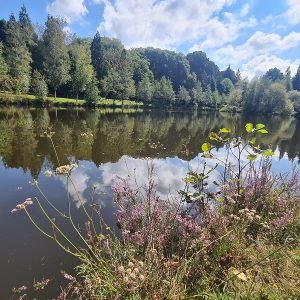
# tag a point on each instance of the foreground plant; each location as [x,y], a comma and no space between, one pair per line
[233,233]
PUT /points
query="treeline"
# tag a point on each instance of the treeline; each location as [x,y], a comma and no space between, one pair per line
[51,60]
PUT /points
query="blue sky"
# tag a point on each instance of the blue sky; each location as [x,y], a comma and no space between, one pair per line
[252,35]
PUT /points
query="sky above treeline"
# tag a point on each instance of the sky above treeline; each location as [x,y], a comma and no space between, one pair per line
[250,35]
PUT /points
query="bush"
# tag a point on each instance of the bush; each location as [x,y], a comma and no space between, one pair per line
[39,86]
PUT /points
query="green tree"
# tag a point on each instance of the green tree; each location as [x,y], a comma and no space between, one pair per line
[144,90]
[226,86]
[39,85]
[279,102]
[183,96]
[274,75]
[118,84]
[205,69]
[97,55]
[92,91]
[81,71]
[56,58]
[230,74]
[294,96]
[288,79]
[296,80]
[27,30]
[197,94]
[5,82]
[18,57]
[169,64]
[163,93]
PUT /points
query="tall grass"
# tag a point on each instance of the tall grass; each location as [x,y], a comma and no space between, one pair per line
[228,235]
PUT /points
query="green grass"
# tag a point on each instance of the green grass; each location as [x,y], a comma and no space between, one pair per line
[9,98]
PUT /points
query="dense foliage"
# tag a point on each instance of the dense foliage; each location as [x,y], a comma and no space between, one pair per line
[71,66]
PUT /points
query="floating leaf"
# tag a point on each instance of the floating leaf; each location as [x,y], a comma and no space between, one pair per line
[224,130]
[249,127]
[259,126]
[262,131]
[252,157]
[206,147]
[268,152]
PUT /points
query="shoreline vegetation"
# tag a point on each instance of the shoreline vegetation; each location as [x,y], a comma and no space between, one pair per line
[70,67]
[233,232]
[27,99]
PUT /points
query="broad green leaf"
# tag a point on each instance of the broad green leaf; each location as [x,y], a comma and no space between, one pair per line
[262,131]
[252,157]
[252,141]
[259,126]
[249,127]
[214,137]
[224,130]
[206,147]
[268,152]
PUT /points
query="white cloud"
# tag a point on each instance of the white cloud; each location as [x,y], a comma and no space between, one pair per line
[259,65]
[165,23]
[71,10]
[245,10]
[258,44]
[219,33]
[292,14]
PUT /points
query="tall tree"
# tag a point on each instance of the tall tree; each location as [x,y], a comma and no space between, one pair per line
[205,69]
[56,57]
[183,96]
[288,79]
[230,74]
[274,75]
[163,93]
[27,30]
[18,56]
[144,90]
[97,56]
[39,85]
[82,71]
[2,30]
[296,80]
[5,83]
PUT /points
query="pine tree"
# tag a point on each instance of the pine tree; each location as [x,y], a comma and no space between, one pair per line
[27,30]
[39,85]
[98,56]
[18,56]
[5,83]
[56,57]
[296,80]
[288,79]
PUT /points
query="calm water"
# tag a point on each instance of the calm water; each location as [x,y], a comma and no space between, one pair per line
[105,145]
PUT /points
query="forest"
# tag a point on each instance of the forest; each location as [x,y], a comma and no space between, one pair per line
[48,60]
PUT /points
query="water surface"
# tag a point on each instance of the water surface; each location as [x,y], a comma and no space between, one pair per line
[105,145]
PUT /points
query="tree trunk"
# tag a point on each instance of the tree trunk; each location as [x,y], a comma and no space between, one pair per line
[55,94]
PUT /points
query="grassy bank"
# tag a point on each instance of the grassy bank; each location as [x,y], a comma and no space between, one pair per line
[25,99]
[233,232]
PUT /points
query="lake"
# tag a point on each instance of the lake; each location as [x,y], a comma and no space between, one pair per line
[105,144]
